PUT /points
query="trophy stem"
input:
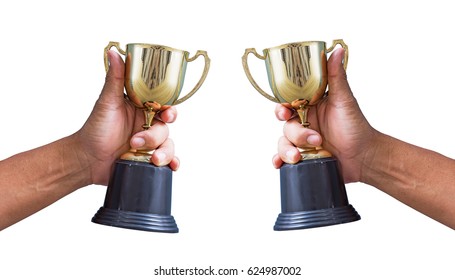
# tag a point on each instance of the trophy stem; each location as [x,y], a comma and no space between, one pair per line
[303,114]
[308,153]
[301,106]
[149,115]
[142,155]
[150,109]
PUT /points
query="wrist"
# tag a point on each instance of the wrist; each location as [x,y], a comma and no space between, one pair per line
[376,153]
[78,161]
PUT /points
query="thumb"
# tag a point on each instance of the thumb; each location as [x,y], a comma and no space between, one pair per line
[113,86]
[339,89]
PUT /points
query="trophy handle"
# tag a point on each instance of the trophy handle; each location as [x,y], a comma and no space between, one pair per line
[107,48]
[250,77]
[346,50]
[201,80]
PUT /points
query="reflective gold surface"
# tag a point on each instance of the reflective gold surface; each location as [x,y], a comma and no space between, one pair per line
[297,74]
[154,77]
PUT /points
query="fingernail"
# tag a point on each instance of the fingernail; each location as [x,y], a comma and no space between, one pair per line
[138,142]
[161,157]
[171,117]
[313,140]
[290,157]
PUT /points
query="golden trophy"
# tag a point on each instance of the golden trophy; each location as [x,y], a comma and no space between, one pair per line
[139,193]
[313,193]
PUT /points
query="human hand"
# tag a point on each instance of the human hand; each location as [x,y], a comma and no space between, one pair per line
[337,124]
[115,126]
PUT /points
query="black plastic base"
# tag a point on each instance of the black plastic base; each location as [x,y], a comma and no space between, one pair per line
[316,218]
[133,220]
[138,197]
[313,195]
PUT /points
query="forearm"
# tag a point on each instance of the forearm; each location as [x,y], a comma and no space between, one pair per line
[32,180]
[420,178]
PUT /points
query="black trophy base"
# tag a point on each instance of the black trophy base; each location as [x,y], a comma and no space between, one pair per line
[134,220]
[316,218]
[138,197]
[313,194]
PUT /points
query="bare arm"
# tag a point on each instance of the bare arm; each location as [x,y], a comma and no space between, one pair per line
[35,179]
[420,178]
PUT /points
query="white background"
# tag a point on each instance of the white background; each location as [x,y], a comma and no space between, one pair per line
[226,193]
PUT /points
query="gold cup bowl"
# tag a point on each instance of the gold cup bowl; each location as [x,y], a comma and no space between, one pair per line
[297,74]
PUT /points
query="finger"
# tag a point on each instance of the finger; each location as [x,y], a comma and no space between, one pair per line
[114,83]
[337,78]
[164,155]
[175,163]
[168,115]
[276,161]
[283,112]
[287,152]
[151,138]
[301,136]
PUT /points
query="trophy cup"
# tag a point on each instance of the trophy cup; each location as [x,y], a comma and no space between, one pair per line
[139,193]
[313,193]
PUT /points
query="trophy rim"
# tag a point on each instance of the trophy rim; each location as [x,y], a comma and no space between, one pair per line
[157,46]
[294,44]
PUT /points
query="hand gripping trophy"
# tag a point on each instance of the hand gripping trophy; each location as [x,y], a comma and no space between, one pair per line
[139,194]
[312,191]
